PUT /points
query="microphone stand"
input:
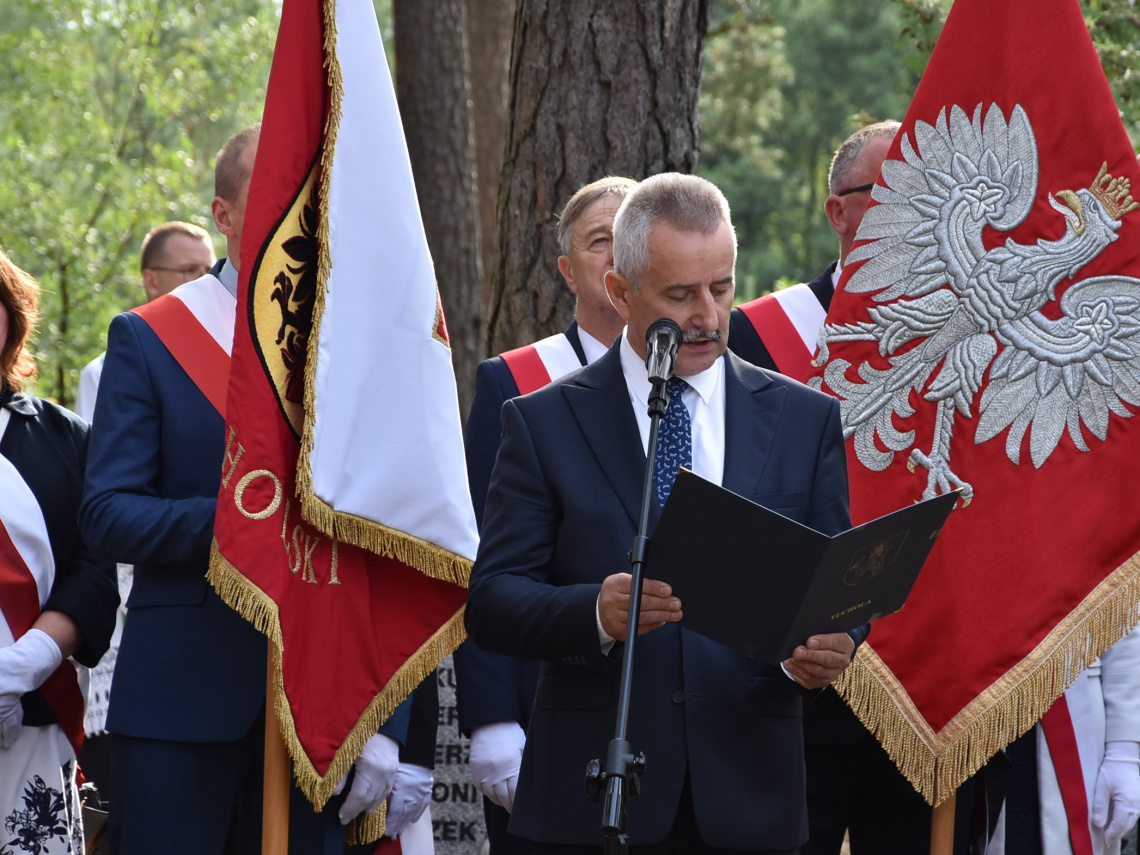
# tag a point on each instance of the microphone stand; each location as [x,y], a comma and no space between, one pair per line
[623,768]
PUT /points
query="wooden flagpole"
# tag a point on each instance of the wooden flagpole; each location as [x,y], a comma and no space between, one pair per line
[275,792]
[942,827]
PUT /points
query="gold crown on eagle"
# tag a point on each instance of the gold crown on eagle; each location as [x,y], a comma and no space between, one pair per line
[1114,193]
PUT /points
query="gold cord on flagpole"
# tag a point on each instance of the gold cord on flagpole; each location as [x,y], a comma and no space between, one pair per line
[936,764]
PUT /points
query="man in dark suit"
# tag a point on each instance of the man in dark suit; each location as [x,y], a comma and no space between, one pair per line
[854,170]
[495,693]
[723,731]
[187,712]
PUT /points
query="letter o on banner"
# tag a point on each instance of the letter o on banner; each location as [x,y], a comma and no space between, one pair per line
[239,493]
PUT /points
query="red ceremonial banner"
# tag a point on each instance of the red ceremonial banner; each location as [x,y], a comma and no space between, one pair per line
[986,337]
[352,633]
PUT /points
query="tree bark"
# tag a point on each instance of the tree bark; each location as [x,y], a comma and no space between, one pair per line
[489,27]
[434,98]
[597,88]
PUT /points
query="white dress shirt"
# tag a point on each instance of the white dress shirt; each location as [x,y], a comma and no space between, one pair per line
[228,276]
[593,348]
[704,399]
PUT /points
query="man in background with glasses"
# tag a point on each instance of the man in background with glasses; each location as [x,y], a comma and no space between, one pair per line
[755,327]
[172,253]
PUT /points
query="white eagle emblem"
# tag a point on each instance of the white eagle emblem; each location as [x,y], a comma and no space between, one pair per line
[963,309]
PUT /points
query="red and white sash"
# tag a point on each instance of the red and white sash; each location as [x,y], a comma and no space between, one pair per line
[535,365]
[195,322]
[27,571]
[788,323]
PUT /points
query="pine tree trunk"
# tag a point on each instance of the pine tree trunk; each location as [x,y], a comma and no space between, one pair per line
[597,88]
[433,93]
[489,27]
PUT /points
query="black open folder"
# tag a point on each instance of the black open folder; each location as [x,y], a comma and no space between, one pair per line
[762,583]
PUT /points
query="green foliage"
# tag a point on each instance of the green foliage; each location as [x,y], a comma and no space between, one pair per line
[1115,29]
[785,82]
[113,111]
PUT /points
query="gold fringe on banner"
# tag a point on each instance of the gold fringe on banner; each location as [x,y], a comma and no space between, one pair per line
[937,763]
[428,558]
[257,607]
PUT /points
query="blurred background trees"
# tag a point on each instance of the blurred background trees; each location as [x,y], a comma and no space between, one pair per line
[112,114]
[113,111]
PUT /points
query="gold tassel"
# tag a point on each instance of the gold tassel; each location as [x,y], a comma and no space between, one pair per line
[936,764]
[259,609]
[368,828]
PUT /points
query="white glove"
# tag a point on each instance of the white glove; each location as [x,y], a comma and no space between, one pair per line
[375,773]
[10,727]
[23,668]
[411,794]
[1118,785]
[496,757]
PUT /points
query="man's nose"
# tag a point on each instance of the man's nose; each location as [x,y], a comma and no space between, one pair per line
[703,314]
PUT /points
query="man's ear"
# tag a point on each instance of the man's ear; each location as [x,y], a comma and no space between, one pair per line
[834,207]
[150,286]
[619,291]
[222,220]
[567,273]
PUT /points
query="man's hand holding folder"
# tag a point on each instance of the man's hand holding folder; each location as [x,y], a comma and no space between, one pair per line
[820,659]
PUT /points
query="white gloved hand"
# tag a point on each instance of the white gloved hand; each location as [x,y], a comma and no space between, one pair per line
[1118,785]
[24,666]
[411,794]
[496,757]
[375,773]
[10,726]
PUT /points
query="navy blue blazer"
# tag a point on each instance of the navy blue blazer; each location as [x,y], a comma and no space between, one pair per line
[489,687]
[47,445]
[561,515]
[745,342]
[190,668]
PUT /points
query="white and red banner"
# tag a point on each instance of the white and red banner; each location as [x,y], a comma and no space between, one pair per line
[788,323]
[985,337]
[532,366]
[344,527]
[27,572]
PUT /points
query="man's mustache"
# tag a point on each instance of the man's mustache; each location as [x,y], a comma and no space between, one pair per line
[692,335]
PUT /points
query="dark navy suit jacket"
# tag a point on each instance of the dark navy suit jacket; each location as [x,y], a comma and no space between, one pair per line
[492,688]
[746,343]
[190,668]
[560,517]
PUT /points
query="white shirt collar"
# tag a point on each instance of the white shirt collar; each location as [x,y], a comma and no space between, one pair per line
[835,274]
[228,276]
[706,384]
[593,348]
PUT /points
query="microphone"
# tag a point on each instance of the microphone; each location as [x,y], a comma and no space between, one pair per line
[662,340]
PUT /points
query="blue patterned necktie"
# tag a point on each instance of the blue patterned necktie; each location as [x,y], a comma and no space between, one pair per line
[674,440]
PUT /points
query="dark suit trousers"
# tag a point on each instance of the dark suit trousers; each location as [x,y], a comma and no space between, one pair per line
[683,839]
[884,813]
[181,798]
[204,798]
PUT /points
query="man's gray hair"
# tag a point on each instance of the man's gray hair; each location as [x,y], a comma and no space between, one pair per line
[845,160]
[611,185]
[685,202]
